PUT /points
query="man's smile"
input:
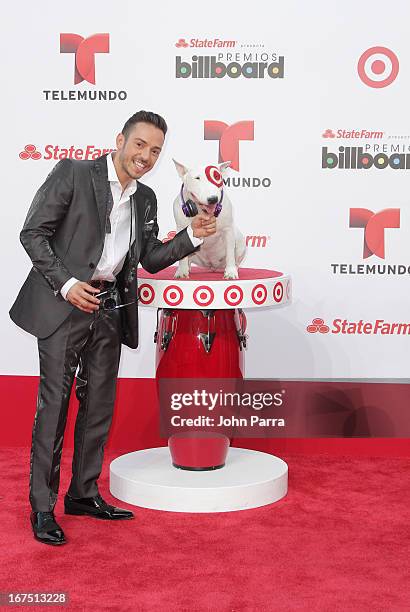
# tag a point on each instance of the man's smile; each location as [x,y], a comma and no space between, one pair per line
[139,164]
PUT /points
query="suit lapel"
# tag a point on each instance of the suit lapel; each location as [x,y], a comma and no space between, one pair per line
[99,177]
[139,208]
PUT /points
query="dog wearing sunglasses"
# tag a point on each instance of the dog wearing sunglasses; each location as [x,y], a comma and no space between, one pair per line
[202,190]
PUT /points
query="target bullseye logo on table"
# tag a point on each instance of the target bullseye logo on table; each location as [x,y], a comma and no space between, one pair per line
[203,295]
[173,295]
[146,294]
[378,67]
[278,292]
[259,294]
[233,295]
[255,288]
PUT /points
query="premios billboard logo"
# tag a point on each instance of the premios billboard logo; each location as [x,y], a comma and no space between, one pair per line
[373,226]
[360,158]
[229,137]
[247,60]
[84,51]
[371,149]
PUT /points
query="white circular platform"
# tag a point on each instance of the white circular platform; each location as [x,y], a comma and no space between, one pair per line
[147,478]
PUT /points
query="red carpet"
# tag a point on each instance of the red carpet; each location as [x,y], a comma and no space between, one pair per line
[340,541]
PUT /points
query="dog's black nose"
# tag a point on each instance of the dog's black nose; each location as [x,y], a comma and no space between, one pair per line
[212,200]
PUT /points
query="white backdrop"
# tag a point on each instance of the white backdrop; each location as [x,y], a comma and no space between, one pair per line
[304,214]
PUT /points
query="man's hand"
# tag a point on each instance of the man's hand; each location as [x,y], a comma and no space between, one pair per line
[203,225]
[81,296]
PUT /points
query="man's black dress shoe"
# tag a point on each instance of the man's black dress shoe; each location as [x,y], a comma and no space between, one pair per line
[46,529]
[95,506]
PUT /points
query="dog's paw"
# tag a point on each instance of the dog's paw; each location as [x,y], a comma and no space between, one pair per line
[181,274]
[231,273]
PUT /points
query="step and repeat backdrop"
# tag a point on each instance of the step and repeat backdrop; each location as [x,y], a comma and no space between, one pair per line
[309,102]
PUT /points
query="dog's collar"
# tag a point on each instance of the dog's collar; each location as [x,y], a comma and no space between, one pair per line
[185,207]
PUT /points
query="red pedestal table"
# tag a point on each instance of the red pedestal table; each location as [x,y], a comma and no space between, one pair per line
[201,333]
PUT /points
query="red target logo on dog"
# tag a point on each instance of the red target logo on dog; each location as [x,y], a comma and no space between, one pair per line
[214,175]
[173,295]
[259,294]
[203,295]
[378,67]
[146,294]
[233,295]
[278,292]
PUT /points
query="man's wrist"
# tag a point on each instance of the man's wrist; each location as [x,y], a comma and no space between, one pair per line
[195,241]
[67,286]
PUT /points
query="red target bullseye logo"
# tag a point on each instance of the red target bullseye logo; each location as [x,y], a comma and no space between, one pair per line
[278,292]
[203,295]
[233,295]
[173,295]
[259,294]
[214,175]
[146,294]
[378,67]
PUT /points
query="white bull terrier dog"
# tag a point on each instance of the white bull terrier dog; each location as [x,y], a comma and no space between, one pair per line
[202,190]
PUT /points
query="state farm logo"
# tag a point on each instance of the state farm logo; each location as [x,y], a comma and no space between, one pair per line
[259,241]
[254,241]
[57,152]
[205,43]
[378,67]
[361,327]
[30,152]
[318,326]
[229,137]
[84,51]
[353,134]
[374,225]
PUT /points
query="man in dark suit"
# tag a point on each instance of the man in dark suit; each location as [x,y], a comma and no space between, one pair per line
[89,226]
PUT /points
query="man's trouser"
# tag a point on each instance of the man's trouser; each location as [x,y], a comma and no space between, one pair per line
[93,343]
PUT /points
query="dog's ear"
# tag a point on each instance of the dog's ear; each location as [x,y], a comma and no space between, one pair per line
[181,169]
[224,166]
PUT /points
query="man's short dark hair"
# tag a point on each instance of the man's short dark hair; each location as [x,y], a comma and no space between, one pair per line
[143,116]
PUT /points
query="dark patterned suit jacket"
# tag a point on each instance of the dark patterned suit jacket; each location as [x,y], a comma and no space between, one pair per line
[64,236]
